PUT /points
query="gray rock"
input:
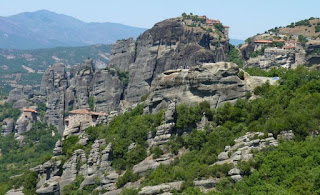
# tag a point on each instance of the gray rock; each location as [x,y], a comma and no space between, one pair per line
[22,103]
[162,188]
[208,183]
[171,44]
[107,90]
[122,54]
[58,148]
[170,113]
[114,192]
[19,93]
[216,83]
[223,156]
[53,87]
[71,168]
[234,171]
[15,192]
[144,166]
[236,178]
[50,187]
[7,127]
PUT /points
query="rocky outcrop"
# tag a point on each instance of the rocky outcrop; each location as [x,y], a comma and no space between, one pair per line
[15,192]
[243,149]
[48,177]
[19,93]
[79,87]
[53,86]
[22,103]
[122,54]
[26,120]
[162,188]
[97,165]
[273,57]
[107,90]
[50,187]
[171,44]
[216,83]
[58,148]
[150,164]
[7,126]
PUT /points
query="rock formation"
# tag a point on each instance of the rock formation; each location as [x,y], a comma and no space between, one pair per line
[122,54]
[26,120]
[171,44]
[7,126]
[19,93]
[53,86]
[215,82]
[244,146]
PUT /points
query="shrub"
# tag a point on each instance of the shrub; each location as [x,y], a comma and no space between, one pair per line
[129,176]
[156,151]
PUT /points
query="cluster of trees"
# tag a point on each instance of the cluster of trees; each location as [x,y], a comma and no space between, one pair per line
[302,39]
[235,56]
[7,111]
[17,158]
[258,52]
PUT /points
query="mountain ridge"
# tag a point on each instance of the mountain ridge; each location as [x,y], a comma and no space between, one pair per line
[45,29]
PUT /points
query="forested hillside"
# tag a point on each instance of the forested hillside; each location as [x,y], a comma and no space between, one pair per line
[290,168]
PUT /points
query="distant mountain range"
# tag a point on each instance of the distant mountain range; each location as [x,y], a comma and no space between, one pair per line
[45,29]
[236,42]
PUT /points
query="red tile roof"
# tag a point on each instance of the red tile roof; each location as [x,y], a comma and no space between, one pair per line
[263,41]
[30,110]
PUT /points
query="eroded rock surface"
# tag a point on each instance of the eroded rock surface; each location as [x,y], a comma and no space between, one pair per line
[171,44]
[7,126]
[216,83]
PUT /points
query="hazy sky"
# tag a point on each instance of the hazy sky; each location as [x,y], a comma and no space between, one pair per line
[245,17]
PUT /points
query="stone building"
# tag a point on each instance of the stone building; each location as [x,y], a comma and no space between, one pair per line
[25,121]
[81,119]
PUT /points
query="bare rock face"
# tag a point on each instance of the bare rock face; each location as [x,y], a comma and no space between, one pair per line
[15,192]
[53,86]
[216,83]
[171,44]
[19,93]
[122,54]
[7,127]
[79,87]
[107,90]
[273,57]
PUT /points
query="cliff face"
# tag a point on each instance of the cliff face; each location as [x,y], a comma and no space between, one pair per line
[216,83]
[170,44]
[64,91]
[53,86]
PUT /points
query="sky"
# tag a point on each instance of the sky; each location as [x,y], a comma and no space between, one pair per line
[245,17]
